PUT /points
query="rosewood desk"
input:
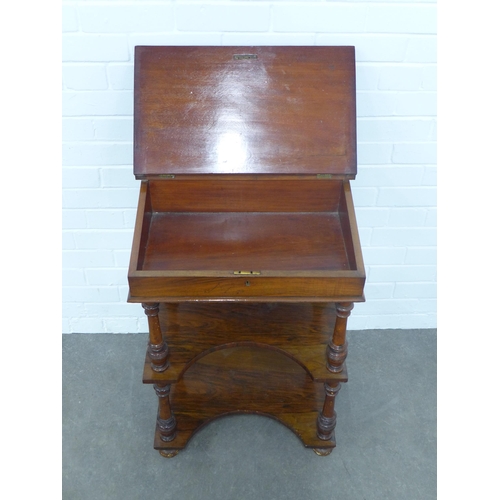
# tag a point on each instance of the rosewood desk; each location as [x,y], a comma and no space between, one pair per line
[246,255]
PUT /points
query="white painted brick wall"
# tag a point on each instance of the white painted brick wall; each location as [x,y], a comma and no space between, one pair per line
[395,191]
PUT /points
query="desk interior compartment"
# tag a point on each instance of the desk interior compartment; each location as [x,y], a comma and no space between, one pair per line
[229,237]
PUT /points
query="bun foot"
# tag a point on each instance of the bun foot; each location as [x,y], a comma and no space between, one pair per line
[169,453]
[322,452]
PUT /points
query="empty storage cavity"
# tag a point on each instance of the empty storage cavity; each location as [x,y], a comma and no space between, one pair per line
[246,225]
[245,241]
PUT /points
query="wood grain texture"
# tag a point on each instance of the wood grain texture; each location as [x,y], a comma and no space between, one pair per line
[141,228]
[193,330]
[157,347]
[245,162]
[255,289]
[246,380]
[327,419]
[215,194]
[242,241]
[301,255]
[289,110]
[349,225]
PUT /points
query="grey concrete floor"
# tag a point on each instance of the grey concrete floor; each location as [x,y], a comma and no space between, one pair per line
[386,431]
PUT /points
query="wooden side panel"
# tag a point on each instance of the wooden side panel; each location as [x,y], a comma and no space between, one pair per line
[240,288]
[219,195]
[350,229]
[141,230]
[346,231]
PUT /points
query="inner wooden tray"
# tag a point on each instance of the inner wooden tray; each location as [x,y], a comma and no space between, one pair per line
[245,239]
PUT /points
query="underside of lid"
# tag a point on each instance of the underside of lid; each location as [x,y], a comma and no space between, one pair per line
[244,110]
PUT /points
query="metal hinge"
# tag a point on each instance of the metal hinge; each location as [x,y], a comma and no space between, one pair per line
[246,272]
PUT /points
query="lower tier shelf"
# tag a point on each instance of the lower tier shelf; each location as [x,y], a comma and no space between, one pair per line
[194,329]
[248,380]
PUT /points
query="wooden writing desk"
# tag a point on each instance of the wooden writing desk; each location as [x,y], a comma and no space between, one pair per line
[246,254]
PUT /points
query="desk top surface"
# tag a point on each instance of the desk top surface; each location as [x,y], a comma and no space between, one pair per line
[244,110]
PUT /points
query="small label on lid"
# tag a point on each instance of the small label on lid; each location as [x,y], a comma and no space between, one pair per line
[244,56]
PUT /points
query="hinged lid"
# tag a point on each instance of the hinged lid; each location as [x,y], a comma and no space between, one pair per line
[244,110]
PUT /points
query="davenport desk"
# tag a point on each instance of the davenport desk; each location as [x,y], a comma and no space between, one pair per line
[246,255]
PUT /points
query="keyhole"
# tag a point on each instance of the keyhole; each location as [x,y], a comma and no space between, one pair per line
[247,283]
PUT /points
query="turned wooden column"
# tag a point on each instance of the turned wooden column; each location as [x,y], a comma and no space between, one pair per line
[328,417]
[165,419]
[157,347]
[336,351]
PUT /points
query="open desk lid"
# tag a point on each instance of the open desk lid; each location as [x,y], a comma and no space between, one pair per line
[244,110]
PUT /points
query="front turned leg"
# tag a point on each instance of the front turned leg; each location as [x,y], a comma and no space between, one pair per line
[328,417]
[165,419]
[157,347]
[336,351]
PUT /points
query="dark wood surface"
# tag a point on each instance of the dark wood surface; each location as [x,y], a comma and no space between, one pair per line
[172,287]
[189,255]
[299,331]
[245,233]
[287,110]
[245,241]
[262,194]
[246,379]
